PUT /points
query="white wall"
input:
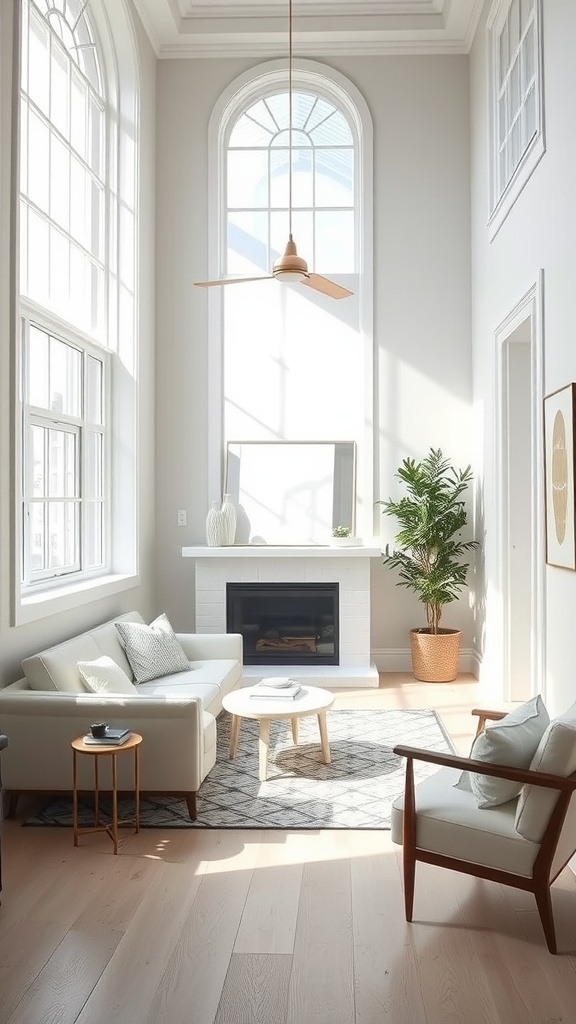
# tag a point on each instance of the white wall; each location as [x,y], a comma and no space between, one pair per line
[538,233]
[17,642]
[419,107]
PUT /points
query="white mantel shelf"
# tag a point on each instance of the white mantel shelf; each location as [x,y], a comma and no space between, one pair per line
[268,551]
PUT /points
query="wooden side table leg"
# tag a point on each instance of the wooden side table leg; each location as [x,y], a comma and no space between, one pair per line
[234,735]
[326,757]
[96,793]
[294,724]
[114,803]
[75,797]
[263,742]
[137,788]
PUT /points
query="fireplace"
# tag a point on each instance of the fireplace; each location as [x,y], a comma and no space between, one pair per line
[285,623]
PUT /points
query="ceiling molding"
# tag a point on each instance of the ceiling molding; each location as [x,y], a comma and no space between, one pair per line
[180,29]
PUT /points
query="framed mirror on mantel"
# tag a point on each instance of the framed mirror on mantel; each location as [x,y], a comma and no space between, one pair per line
[291,492]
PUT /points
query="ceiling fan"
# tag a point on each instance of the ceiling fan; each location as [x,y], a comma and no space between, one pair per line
[290,267]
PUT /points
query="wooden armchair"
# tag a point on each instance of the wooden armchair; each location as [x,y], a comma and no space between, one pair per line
[439,823]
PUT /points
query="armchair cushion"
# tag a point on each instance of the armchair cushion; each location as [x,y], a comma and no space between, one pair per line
[556,754]
[512,741]
[103,675]
[153,651]
[449,821]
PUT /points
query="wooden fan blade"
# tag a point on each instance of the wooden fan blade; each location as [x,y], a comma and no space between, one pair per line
[327,287]
[232,280]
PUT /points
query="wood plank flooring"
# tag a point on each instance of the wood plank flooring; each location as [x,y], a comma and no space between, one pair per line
[268,927]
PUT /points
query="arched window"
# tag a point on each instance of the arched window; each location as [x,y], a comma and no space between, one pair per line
[76,280]
[296,364]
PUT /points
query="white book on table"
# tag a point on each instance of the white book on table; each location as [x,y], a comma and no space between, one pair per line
[274,692]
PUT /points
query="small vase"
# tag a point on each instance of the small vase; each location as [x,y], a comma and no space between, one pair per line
[229,518]
[215,527]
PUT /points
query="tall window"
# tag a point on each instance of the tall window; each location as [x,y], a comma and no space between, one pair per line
[517,141]
[289,363]
[323,185]
[69,286]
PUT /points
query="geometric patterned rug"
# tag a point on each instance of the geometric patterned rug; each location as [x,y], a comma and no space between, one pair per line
[301,792]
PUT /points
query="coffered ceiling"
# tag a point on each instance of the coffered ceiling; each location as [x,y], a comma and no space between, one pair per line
[259,28]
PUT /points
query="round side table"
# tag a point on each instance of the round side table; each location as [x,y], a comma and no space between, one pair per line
[113,751]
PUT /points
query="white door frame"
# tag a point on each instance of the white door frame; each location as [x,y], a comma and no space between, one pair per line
[530,306]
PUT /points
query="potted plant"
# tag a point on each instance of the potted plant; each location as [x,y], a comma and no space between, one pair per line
[430,555]
[342,537]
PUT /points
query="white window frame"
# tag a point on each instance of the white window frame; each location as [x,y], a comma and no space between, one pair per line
[35,580]
[504,196]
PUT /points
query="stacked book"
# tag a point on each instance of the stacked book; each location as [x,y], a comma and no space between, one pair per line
[113,737]
[279,688]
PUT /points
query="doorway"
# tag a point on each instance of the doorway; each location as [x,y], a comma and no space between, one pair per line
[519,446]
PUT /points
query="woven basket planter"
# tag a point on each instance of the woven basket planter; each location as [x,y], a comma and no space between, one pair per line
[435,655]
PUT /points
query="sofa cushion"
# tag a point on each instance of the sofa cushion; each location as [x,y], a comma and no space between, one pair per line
[153,651]
[512,741]
[104,676]
[556,754]
[208,680]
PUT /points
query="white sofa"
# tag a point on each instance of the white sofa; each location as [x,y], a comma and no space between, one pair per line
[176,715]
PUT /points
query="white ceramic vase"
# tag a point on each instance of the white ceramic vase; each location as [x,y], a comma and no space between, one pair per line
[215,526]
[229,517]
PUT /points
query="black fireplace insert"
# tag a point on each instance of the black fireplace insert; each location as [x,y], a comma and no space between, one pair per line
[285,623]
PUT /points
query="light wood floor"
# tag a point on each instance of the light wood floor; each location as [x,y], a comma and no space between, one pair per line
[235,927]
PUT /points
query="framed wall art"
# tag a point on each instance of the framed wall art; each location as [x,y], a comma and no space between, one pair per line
[559,411]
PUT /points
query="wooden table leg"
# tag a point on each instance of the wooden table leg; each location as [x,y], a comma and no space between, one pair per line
[114,803]
[324,738]
[75,797]
[137,788]
[96,793]
[294,724]
[234,734]
[263,741]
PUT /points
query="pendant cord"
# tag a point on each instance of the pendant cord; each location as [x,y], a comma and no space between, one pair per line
[290,122]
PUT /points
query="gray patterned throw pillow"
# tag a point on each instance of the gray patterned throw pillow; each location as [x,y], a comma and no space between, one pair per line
[153,650]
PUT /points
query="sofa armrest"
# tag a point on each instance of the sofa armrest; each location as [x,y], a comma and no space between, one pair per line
[205,646]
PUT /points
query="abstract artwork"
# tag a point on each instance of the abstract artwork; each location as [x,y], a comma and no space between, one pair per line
[559,409]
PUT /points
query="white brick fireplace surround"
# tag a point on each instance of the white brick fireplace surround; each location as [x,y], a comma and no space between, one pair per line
[349,567]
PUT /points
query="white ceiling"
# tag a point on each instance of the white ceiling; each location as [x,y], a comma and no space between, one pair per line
[259,28]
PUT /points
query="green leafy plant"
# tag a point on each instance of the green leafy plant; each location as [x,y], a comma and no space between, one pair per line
[431,515]
[341,531]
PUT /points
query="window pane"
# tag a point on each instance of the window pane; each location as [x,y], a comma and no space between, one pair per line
[65,378]
[39,145]
[530,119]
[59,89]
[78,114]
[78,211]
[502,118]
[94,540]
[514,26]
[62,534]
[335,250]
[526,8]
[38,368]
[247,179]
[59,183]
[96,137]
[528,59]
[38,256]
[334,131]
[302,180]
[94,398]
[38,62]
[503,53]
[514,89]
[93,476]
[247,251]
[37,536]
[59,269]
[62,464]
[38,464]
[335,178]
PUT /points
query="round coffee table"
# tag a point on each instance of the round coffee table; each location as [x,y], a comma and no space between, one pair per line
[311,700]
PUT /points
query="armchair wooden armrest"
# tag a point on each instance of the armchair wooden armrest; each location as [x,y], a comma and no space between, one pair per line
[485,715]
[500,771]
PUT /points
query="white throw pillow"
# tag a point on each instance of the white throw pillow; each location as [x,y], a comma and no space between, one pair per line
[104,676]
[153,650]
[556,754]
[512,741]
